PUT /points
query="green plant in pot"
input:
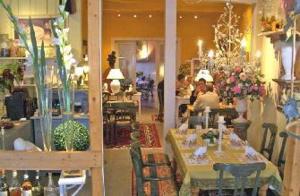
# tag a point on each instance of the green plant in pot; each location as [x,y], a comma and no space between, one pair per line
[71,133]
[210,137]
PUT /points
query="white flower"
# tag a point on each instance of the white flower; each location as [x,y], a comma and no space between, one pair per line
[56,41]
[67,49]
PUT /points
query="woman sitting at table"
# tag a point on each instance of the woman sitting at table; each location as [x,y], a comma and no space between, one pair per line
[199,90]
[210,98]
[180,85]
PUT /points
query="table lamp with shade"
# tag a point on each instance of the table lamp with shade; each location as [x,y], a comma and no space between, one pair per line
[115,75]
[203,73]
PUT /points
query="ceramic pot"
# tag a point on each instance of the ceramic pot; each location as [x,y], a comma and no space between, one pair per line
[241,108]
[287,61]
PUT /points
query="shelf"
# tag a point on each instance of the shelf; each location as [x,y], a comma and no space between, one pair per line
[13,58]
[287,82]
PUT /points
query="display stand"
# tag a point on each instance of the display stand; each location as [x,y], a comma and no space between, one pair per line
[93,159]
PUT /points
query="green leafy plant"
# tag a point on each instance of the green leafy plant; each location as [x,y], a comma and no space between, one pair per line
[80,135]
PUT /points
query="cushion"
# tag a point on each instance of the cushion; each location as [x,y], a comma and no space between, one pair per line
[157,158]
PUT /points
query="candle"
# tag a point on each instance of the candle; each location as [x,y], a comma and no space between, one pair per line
[200,43]
[206,111]
[220,128]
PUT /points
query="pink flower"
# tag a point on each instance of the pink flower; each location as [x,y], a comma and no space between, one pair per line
[238,69]
[262,91]
[253,88]
[232,79]
[236,90]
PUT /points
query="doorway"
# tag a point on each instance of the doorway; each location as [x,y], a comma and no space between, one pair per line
[142,63]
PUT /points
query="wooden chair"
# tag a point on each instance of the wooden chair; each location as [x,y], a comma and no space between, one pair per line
[240,172]
[281,159]
[194,121]
[270,129]
[152,181]
[150,159]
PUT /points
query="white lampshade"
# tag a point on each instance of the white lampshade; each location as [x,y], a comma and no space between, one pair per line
[115,74]
[203,73]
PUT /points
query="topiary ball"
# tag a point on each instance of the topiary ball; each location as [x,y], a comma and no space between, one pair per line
[81,140]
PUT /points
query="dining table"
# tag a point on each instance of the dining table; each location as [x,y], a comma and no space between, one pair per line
[199,174]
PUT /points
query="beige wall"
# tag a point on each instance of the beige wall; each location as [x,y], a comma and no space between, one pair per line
[43,8]
[189,30]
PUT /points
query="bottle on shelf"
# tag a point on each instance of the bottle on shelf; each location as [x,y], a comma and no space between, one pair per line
[3,185]
[37,189]
[26,186]
[50,189]
[15,187]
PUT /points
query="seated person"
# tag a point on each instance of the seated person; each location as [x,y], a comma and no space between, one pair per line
[200,89]
[210,98]
[180,84]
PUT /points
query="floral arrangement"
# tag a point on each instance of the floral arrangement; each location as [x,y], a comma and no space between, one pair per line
[64,57]
[240,83]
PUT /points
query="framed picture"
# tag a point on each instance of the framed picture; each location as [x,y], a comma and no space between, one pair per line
[42,28]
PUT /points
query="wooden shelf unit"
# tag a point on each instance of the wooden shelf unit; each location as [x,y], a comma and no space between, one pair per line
[92,159]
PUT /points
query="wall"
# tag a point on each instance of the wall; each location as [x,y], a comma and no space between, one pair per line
[40,9]
[189,29]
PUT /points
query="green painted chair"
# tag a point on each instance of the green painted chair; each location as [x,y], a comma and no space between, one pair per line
[240,172]
[152,181]
[267,149]
[149,159]
[194,121]
[281,159]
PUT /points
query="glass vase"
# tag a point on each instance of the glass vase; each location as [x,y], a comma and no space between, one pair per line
[45,107]
[69,132]
[50,189]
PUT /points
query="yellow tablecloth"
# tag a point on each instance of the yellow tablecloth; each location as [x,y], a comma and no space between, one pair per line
[202,175]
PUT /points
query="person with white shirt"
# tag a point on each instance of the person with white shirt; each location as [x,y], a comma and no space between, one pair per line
[209,98]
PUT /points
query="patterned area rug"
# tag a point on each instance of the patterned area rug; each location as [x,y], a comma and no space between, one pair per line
[148,136]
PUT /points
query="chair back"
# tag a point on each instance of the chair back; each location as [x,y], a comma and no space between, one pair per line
[138,170]
[240,172]
[269,129]
[194,121]
[281,160]
[213,114]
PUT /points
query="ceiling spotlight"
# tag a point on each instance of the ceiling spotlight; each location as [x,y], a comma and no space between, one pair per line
[181,17]
[195,17]
[150,15]
[134,16]
[119,15]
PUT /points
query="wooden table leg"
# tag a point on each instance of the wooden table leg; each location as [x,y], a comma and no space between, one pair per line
[263,190]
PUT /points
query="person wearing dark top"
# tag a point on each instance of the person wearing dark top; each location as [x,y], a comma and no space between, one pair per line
[200,88]
[160,93]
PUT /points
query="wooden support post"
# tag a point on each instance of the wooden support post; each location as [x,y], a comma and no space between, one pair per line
[292,166]
[170,65]
[16,160]
[95,83]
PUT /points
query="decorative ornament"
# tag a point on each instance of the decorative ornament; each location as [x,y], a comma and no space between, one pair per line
[228,37]
[290,110]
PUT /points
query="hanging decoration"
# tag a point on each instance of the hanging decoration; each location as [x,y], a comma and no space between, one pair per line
[228,38]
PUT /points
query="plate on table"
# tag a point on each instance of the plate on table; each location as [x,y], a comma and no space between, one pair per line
[252,159]
[191,159]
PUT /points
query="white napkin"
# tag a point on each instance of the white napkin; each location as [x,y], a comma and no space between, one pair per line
[234,137]
[200,151]
[191,138]
[183,128]
[249,151]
